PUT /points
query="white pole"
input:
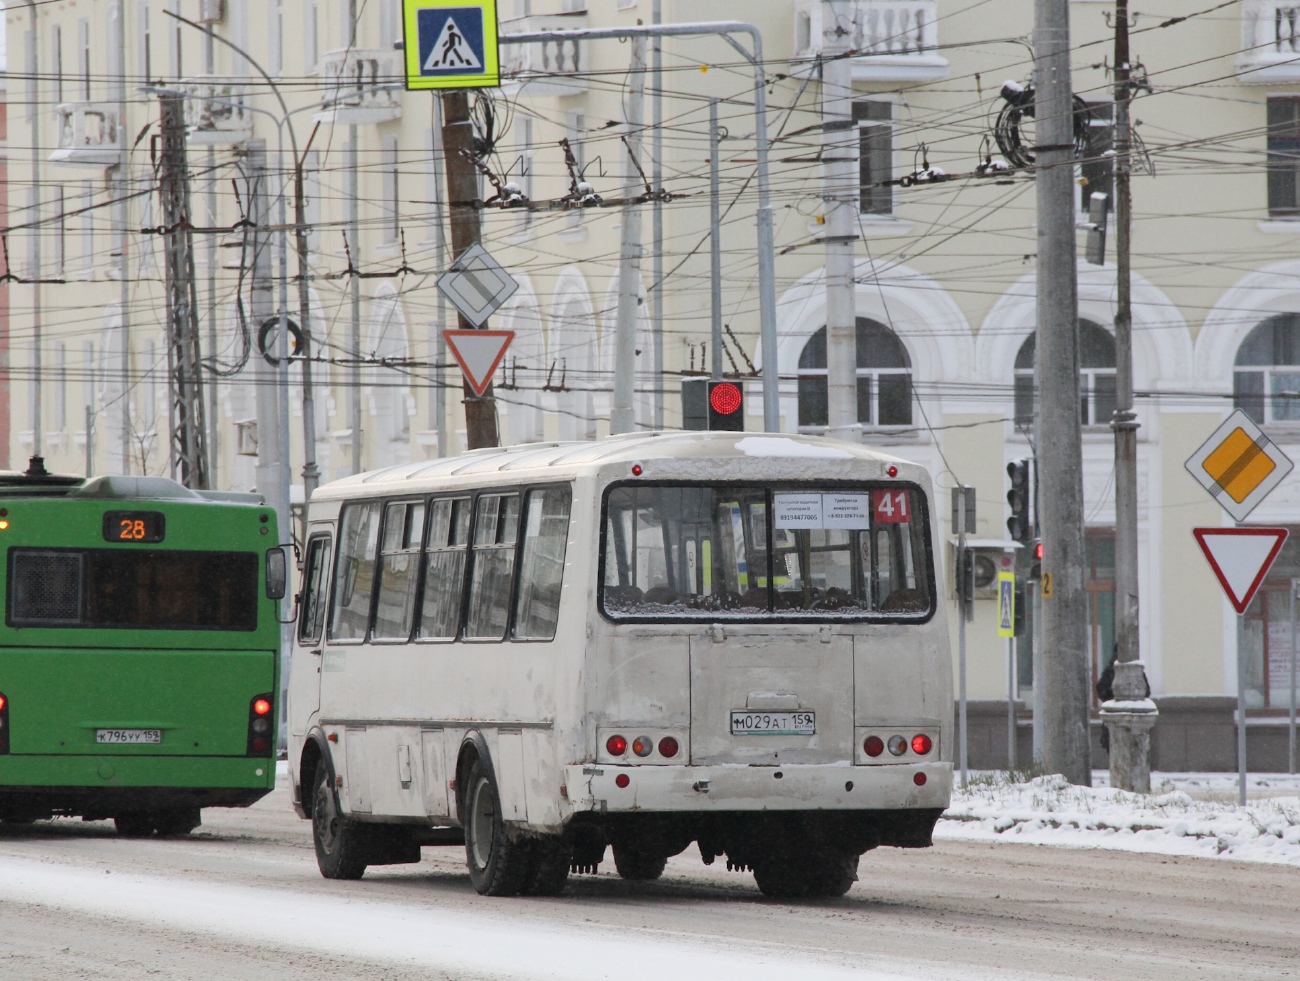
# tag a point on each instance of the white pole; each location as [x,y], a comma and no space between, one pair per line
[1011,701]
[1290,741]
[657,214]
[715,245]
[1241,727]
[967,584]
[839,189]
[623,417]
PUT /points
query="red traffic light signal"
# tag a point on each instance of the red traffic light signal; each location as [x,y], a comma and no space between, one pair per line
[726,406]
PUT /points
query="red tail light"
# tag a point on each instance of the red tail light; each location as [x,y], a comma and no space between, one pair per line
[260,723]
[622,780]
[921,744]
[616,745]
[668,747]
[873,746]
[4,724]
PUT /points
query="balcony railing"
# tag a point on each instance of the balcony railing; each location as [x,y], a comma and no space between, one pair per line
[88,134]
[896,40]
[361,86]
[547,67]
[1270,42]
[214,110]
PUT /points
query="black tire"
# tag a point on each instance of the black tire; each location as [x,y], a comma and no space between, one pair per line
[340,845]
[551,857]
[802,875]
[176,823]
[499,865]
[136,824]
[638,866]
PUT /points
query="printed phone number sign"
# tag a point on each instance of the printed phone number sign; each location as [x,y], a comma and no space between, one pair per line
[841,511]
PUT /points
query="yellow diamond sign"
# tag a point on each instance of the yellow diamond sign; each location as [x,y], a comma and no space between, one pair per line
[1239,465]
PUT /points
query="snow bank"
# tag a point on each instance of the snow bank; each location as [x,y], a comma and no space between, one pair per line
[1049,811]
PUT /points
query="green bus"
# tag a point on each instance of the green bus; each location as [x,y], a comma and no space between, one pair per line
[139,655]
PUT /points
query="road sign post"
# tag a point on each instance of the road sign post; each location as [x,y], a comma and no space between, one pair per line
[1007,629]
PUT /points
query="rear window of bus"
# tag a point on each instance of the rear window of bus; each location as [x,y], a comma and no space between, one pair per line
[700,551]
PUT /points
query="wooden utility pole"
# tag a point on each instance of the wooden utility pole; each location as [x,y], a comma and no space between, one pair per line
[1066,678]
[187,449]
[462,195]
[1130,727]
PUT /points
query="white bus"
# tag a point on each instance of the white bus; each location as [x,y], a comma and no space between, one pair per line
[635,643]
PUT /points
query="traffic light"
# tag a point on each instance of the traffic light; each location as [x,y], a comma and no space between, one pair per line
[726,406]
[1018,499]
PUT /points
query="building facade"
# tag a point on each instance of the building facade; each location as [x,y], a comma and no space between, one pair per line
[944,286]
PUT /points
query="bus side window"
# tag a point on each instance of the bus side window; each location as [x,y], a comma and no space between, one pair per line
[314,588]
[354,575]
[496,527]
[398,568]
[444,569]
[541,570]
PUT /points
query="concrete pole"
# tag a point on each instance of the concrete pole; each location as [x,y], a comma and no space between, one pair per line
[715,245]
[839,205]
[1011,702]
[1291,718]
[623,417]
[657,214]
[438,394]
[354,293]
[270,472]
[462,197]
[34,111]
[210,245]
[1065,628]
[1131,715]
[310,471]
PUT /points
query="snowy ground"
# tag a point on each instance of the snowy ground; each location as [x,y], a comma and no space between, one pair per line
[1192,814]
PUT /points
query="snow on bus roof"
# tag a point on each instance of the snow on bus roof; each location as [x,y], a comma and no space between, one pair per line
[632,447]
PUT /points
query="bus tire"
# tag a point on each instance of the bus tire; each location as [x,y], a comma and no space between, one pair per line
[552,855]
[833,874]
[799,875]
[176,823]
[498,864]
[638,866]
[340,845]
[134,824]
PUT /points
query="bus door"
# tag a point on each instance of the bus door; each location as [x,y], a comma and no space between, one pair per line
[304,670]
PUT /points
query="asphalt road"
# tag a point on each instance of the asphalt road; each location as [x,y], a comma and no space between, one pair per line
[242,899]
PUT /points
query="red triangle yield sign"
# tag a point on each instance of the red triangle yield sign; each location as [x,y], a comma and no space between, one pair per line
[1240,558]
[478,352]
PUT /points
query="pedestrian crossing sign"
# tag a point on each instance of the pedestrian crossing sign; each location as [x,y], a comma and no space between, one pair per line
[1006,604]
[451,44]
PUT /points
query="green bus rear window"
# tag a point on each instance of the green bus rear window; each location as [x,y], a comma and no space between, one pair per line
[132,589]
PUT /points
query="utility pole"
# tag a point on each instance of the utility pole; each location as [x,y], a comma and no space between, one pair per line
[310,472]
[623,417]
[187,445]
[210,250]
[1066,748]
[270,471]
[715,246]
[462,196]
[35,110]
[438,394]
[354,247]
[839,186]
[1130,727]
[121,216]
[657,213]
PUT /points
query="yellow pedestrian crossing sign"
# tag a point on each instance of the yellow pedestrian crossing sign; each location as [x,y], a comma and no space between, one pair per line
[1006,604]
[451,44]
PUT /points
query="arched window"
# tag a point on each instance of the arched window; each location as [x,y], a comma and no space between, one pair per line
[1096,376]
[1266,382]
[884,379]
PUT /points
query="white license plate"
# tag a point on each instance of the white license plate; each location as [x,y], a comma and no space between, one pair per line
[149,736]
[773,723]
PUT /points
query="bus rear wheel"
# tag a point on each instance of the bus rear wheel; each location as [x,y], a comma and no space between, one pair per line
[340,848]
[822,872]
[176,823]
[636,865]
[135,824]
[498,864]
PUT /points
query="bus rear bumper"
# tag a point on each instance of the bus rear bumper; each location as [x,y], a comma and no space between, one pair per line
[839,787]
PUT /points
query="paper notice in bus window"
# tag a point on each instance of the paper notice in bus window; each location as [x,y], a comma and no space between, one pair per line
[851,511]
[797,511]
[891,507]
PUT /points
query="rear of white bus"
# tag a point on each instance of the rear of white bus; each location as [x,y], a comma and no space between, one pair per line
[770,672]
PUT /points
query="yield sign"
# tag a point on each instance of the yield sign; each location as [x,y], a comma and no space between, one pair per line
[1240,558]
[478,352]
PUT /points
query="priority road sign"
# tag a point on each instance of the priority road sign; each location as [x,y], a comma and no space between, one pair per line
[1240,558]
[451,44]
[1006,604]
[476,284]
[1239,465]
[479,353]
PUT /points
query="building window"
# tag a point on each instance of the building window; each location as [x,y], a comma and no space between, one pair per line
[1096,377]
[87,225]
[60,230]
[311,36]
[1284,156]
[83,39]
[56,46]
[1266,381]
[875,121]
[884,379]
[1097,172]
[1264,636]
[61,387]
[392,217]
[146,46]
[277,37]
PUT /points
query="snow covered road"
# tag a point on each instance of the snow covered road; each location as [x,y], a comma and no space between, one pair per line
[243,900]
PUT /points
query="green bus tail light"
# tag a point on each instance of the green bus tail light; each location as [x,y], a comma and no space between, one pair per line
[260,719]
